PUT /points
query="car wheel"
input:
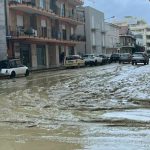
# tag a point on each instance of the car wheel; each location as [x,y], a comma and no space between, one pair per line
[13,75]
[144,63]
[92,63]
[95,63]
[132,63]
[27,73]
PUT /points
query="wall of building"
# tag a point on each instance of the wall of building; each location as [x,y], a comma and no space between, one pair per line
[93,31]
[94,26]
[43,54]
[111,38]
[3,46]
[144,31]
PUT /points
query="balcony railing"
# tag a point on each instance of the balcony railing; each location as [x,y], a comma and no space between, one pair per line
[75,37]
[127,45]
[42,32]
[27,2]
[45,9]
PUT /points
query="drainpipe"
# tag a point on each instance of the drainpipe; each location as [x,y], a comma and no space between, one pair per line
[84,29]
[6,17]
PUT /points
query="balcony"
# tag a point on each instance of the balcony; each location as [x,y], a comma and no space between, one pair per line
[76,2]
[42,34]
[130,45]
[29,6]
[127,36]
[148,33]
[147,40]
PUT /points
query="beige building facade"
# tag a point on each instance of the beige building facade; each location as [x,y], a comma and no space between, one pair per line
[40,32]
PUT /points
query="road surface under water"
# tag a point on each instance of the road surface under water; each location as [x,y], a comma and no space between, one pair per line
[75,109]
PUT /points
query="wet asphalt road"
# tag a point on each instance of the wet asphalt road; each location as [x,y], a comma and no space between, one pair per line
[69,109]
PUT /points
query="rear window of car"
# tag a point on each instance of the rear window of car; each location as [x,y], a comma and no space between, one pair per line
[124,55]
[138,55]
[88,56]
[115,55]
[73,57]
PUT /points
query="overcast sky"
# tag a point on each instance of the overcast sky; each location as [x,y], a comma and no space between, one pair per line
[121,8]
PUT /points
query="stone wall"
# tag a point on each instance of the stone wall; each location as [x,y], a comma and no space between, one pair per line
[3,46]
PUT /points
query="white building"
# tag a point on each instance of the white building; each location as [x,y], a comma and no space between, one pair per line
[93,30]
[111,38]
[139,28]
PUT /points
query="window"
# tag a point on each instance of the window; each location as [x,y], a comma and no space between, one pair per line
[43,23]
[19,21]
[62,10]
[72,31]
[42,4]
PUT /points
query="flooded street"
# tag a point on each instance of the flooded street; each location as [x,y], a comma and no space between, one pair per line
[95,108]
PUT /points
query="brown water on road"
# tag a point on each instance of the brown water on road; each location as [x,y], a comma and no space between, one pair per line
[64,111]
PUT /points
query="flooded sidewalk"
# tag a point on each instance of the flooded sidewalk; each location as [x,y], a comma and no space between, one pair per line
[105,107]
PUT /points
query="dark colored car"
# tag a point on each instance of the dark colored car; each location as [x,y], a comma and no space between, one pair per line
[105,59]
[114,58]
[140,57]
[125,58]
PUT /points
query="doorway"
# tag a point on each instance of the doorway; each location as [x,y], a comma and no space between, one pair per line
[25,54]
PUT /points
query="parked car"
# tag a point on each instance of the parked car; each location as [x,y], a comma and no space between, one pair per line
[125,57]
[114,58]
[91,59]
[140,57]
[105,59]
[74,61]
[13,68]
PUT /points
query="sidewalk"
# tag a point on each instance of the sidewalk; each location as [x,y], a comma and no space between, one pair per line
[39,70]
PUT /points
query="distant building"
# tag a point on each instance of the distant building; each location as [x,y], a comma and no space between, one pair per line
[139,28]
[93,30]
[127,40]
[111,38]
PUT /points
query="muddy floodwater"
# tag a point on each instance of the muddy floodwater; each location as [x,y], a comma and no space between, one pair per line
[96,108]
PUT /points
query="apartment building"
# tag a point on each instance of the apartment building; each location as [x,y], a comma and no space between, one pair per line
[93,30]
[42,32]
[139,28]
[127,40]
[3,45]
[111,38]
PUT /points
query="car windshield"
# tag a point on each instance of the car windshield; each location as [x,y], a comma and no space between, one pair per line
[138,55]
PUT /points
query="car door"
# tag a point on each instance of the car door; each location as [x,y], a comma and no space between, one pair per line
[20,68]
[13,67]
